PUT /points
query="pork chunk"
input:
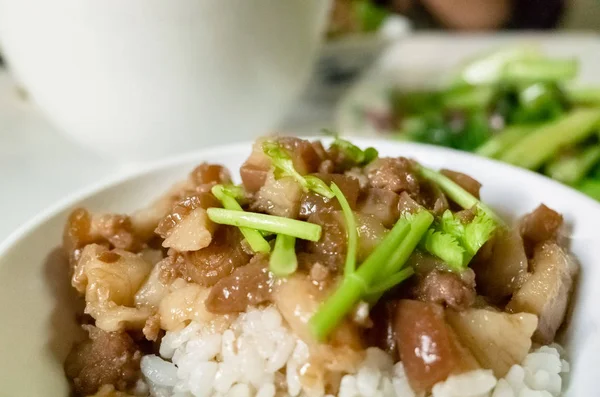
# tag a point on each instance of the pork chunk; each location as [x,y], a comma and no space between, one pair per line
[396,174]
[547,291]
[105,358]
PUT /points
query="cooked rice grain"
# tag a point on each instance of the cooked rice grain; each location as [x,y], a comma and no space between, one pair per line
[257,356]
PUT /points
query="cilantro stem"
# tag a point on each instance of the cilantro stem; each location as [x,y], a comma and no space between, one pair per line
[284,166]
[256,241]
[269,223]
[459,195]
[283,261]
[356,285]
[351,230]
[391,282]
[419,224]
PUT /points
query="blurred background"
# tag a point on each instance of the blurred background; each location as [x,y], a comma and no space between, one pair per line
[91,89]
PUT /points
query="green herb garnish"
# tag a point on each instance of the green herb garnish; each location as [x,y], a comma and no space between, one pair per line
[227,196]
[283,261]
[354,153]
[268,223]
[351,230]
[373,276]
[457,243]
[457,194]
[284,167]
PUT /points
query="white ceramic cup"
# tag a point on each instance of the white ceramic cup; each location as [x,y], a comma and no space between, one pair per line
[137,79]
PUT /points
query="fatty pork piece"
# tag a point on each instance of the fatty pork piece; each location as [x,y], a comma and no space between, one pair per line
[187,227]
[109,280]
[280,197]
[83,228]
[447,288]
[497,340]
[146,220]
[255,169]
[183,304]
[393,173]
[207,173]
[155,288]
[428,346]
[501,265]
[382,333]
[547,290]
[311,202]
[330,250]
[432,198]
[298,299]
[463,180]
[383,204]
[540,225]
[219,259]
[248,285]
[435,282]
[104,358]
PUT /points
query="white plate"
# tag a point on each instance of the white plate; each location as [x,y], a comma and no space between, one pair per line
[425,60]
[37,311]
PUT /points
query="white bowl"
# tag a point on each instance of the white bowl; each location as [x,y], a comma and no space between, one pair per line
[37,318]
[138,79]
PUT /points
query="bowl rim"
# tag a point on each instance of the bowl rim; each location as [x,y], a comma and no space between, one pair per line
[70,199]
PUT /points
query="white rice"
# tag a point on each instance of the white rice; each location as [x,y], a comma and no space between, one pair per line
[257,356]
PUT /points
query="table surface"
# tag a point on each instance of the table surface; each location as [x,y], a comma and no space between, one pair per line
[39,166]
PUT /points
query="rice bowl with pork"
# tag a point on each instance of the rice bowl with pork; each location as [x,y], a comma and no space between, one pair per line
[328,271]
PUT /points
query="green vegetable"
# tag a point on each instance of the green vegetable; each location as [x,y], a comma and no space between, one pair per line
[354,153]
[351,230]
[456,243]
[428,128]
[468,97]
[474,132]
[383,263]
[463,130]
[500,142]
[284,167]
[570,169]
[591,187]
[269,223]
[536,70]
[538,102]
[518,90]
[283,261]
[489,68]
[584,95]
[457,194]
[541,145]
[370,16]
[227,196]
